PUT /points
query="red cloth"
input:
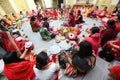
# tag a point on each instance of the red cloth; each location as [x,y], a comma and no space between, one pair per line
[107,34]
[115,71]
[6,42]
[95,42]
[55,14]
[71,21]
[15,17]
[34,25]
[20,70]
[102,13]
[21,45]
[116,52]
[117,26]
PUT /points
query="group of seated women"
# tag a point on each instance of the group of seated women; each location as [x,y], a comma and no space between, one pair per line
[77,62]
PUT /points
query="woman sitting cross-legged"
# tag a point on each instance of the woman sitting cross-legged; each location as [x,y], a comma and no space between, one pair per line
[81,62]
[94,39]
[16,68]
[45,70]
[79,18]
[109,33]
[34,24]
[45,33]
[71,20]
[94,13]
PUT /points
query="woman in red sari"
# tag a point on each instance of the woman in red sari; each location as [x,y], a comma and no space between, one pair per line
[17,68]
[109,33]
[8,42]
[103,13]
[34,24]
[115,48]
[71,21]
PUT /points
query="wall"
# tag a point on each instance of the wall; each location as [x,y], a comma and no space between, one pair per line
[69,2]
[31,4]
[2,12]
[7,7]
[14,6]
[22,5]
[55,3]
[103,3]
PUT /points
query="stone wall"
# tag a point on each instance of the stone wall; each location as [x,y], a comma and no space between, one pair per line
[55,3]
[5,4]
[2,12]
[22,5]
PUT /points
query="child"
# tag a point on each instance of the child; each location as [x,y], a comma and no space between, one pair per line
[43,69]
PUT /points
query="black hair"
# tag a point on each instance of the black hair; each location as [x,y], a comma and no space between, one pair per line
[6,16]
[111,24]
[85,49]
[97,7]
[107,54]
[81,63]
[20,12]
[118,16]
[106,7]
[79,12]
[41,60]
[11,57]
[71,13]
[95,30]
[33,18]
[45,19]
[46,25]
[115,10]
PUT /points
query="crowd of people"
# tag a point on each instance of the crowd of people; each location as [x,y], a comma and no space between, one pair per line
[21,63]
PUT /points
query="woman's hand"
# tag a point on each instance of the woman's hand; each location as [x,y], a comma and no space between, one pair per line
[22,56]
[68,57]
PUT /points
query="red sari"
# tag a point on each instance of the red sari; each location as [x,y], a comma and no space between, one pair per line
[115,71]
[102,13]
[20,70]
[117,26]
[6,42]
[115,51]
[71,22]
[21,45]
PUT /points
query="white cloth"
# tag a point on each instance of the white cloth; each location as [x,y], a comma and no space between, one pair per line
[46,74]
[28,44]
[19,38]
[53,50]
